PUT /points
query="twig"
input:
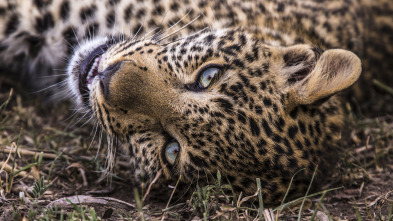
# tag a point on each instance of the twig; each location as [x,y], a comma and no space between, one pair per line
[82,199]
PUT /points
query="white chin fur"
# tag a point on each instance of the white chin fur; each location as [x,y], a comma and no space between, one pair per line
[73,67]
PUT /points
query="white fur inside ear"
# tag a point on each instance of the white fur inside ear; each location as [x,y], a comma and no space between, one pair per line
[334,71]
[298,63]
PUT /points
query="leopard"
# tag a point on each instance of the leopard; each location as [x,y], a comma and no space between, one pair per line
[189,89]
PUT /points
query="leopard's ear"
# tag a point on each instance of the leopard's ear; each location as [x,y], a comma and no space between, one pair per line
[312,76]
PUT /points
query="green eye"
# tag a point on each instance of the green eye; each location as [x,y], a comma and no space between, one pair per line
[207,77]
[171,151]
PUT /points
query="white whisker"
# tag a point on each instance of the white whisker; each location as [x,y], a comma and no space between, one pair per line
[179,29]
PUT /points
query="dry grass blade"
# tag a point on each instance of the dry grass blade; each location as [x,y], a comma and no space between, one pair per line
[12,173]
[268,214]
[381,197]
[32,153]
[81,169]
[8,158]
[244,199]
[170,198]
[17,172]
[151,184]
[3,168]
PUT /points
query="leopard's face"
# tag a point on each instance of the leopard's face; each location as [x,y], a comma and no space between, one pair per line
[216,101]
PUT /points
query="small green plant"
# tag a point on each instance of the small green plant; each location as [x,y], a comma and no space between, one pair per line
[201,199]
[32,214]
[82,212]
[40,188]
[15,212]
[50,213]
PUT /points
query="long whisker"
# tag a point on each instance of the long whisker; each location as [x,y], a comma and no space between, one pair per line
[155,37]
[178,30]
[179,39]
[146,35]
[51,86]
[136,34]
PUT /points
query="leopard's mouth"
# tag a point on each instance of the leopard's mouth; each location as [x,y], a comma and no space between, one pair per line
[89,70]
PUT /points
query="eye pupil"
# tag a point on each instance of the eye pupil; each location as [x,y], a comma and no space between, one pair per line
[207,76]
[171,151]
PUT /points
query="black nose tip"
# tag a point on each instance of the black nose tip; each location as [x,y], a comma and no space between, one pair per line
[106,76]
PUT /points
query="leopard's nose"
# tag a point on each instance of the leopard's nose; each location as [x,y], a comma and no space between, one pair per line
[137,86]
[106,76]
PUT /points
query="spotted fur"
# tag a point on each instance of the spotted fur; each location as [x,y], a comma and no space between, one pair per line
[271,111]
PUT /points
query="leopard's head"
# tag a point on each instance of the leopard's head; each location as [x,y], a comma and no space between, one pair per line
[217,101]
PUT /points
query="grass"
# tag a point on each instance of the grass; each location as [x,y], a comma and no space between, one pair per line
[39,188]
[43,160]
[260,199]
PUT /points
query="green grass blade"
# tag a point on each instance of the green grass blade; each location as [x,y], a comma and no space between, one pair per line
[301,198]
[308,190]
[358,216]
[139,203]
[390,215]
[24,168]
[4,105]
[286,194]
[317,209]
[260,199]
